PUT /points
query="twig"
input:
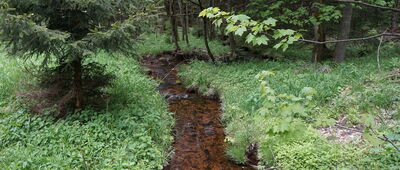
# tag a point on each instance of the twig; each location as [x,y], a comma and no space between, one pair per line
[172,70]
[348,40]
[352,129]
[194,3]
[390,141]
[369,5]
[378,59]
[384,138]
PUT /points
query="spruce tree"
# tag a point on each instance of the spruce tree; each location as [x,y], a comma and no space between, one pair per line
[67,32]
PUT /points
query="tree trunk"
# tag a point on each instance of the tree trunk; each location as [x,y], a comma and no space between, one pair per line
[320,51]
[169,5]
[205,31]
[340,50]
[395,16]
[212,34]
[232,43]
[187,24]
[182,19]
[77,82]
[210,54]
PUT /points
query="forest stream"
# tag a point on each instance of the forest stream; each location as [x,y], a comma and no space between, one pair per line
[199,135]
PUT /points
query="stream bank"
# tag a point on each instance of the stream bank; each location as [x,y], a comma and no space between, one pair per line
[199,134]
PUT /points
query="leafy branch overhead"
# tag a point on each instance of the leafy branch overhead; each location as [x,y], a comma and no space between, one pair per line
[257,33]
[74,30]
[66,33]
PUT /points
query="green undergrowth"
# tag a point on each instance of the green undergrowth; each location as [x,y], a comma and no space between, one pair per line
[285,126]
[134,132]
[157,43]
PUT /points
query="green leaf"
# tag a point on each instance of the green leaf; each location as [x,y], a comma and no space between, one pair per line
[203,13]
[368,120]
[215,10]
[250,37]
[261,40]
[277,46]
[308,91]
[241,30]
[371,139]
[217,22]
[270,22]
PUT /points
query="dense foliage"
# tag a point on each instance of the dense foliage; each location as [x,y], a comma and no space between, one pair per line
[127,135]
[65,33]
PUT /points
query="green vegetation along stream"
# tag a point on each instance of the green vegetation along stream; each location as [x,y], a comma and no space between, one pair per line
[199,135]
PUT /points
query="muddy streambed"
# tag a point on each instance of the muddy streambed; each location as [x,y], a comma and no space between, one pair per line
[199,136]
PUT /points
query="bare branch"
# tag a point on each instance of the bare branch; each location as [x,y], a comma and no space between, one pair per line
[386,139]
[195,3]
[369,5]
[353,39]
[378,59]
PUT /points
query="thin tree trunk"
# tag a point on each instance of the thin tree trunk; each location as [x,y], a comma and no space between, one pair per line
[187,24]
[340,50]
[395,16]
[206,40]
[212,34]
[232,43]
[205,31]
[171,12]
[320,51]
[77,88]
[182,19]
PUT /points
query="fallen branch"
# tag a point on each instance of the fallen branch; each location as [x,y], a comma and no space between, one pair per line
[352,129]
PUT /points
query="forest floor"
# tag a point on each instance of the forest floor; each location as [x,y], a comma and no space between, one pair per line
[133,132]
[347,96]
[350,101]
[137,128]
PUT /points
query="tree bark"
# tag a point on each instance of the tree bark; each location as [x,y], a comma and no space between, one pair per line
[205,31]
[187,24]
[77,83]
[340,50]
[232,43]
[169,5]
[395,16]
[212,33]
[320,51]
[210,54]
[182,19]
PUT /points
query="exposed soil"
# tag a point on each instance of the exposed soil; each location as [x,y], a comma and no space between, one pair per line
[199,136]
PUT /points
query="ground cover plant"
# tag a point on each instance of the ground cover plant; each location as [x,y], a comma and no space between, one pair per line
[126,135]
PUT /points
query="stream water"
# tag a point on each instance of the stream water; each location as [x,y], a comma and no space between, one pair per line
[199,136]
